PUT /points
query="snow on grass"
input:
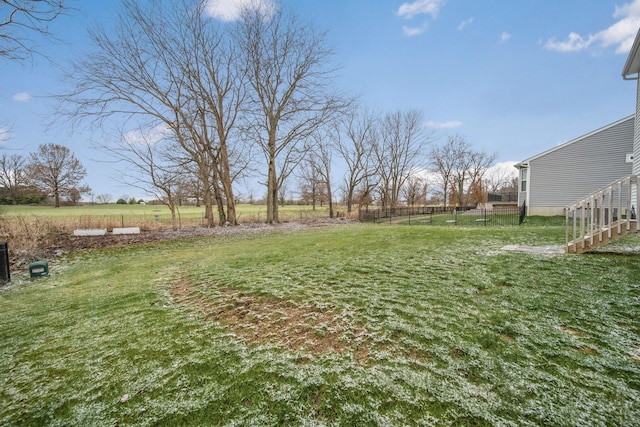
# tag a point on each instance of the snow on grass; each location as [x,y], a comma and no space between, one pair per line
[358,325]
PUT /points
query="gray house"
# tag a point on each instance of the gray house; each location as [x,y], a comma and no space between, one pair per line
[593,179]
[552,180]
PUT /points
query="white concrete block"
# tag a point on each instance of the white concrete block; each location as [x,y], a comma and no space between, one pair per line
[90,232]
[127,230]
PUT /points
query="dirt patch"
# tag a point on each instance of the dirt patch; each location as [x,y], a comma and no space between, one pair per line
[573,332]
[260,319]
[587,350]
[49,245]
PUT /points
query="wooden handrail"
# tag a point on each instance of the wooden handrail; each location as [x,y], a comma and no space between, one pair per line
[597,219]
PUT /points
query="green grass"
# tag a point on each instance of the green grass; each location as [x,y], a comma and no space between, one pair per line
[88,216]
[401,326]
[115,209]
[455,220]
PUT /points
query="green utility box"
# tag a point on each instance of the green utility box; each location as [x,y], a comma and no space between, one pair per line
[39,268]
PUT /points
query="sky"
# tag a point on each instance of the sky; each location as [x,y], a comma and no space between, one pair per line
[514,78]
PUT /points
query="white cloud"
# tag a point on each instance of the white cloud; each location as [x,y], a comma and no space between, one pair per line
[503,171]
[21,96]
[451,124]
[143,138]
[420,7]
[230,10]
[621,34]
[464,23]
[504,37]
[417,8]
[508,166]
[414,31]
[574,42]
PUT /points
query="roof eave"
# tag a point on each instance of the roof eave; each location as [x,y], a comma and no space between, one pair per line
[632,66]
[525,162]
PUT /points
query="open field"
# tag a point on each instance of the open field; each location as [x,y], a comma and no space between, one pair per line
[149,216]
[32,232]
[350,325]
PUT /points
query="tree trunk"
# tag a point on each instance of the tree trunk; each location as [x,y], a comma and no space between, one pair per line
[272,193]
[208,203]
[461,194]
[445,189]
[329,195]
[227,187]
[231,204]
[349,200]
[313,196]
[174,219]
[222,218]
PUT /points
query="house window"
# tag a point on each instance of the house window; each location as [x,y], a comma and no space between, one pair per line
[523,179]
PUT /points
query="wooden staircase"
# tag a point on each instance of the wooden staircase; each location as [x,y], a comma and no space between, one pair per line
[603,216]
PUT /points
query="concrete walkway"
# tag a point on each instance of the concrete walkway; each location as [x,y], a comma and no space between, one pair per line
[551,250]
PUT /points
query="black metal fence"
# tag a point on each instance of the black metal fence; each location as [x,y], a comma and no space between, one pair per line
[505,197]
[425,215]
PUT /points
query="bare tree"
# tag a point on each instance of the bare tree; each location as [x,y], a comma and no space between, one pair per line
[479,163]
[498,177]
[415,190]
[152,168]
[168,66]
[443,164]
[364,193]
[74,195]
[13,175]
[459,168]
[283,190]
[320,165]
[400,147]
[469,169]
[309,188]
[354,145]
[21,20]
[55,169]
[104,198]
[216,75]
[287,69]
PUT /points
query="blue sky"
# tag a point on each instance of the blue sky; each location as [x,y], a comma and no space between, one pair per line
[512,77]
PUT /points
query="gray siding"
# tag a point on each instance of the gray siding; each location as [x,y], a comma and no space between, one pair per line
[636,134]
[570,172]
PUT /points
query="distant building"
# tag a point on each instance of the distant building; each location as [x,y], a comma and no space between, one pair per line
[550,181]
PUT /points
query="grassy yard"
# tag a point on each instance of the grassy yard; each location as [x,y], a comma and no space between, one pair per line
[110,215]
[352,325]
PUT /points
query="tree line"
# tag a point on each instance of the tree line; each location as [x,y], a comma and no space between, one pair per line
[50,171]
[190,98]
[196,105]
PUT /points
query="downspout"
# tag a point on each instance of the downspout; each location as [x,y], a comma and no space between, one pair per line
[635,168]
